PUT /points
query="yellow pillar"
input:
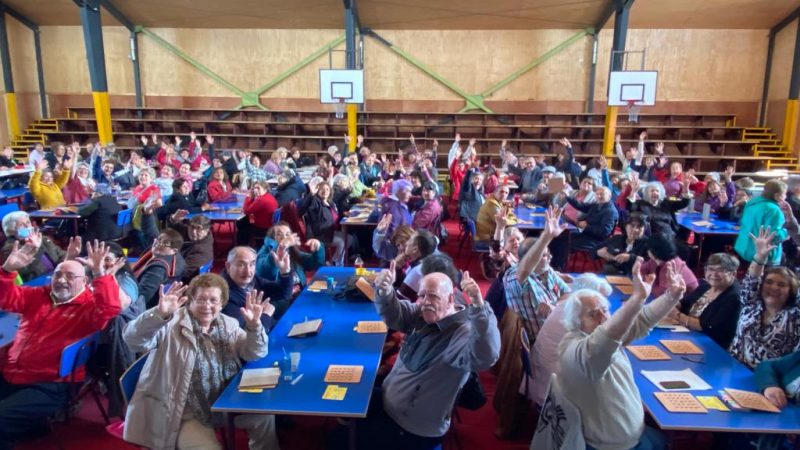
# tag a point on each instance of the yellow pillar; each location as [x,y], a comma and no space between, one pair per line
[790,125]
[12,116]
[102,112]
[352,129]
[610,131]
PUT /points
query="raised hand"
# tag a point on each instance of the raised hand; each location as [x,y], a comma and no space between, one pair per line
[144,140]
[501,218]
[253,308]
[386,220]
[763,242]
[723,197]
[170,300]
[411,138]
[472,142]
[95,255]
[34,239]
[642,286]
[19,257]
[74,247]
[618,138]
[385,279]
[458,137]
[209,139]
[552,222]
[677,285]
[643,135]
[776,396]
[435,143]
[41,165]
[178,215]
[177,140]
[470,287]
[565,142]
[281,257]
[313,245]
[359,140]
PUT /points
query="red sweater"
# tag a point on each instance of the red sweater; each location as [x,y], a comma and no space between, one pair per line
[260,210]
[142,194]
[218,192]
[44,329]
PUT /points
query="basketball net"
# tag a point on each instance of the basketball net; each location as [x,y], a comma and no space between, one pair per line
[339,108]
[633,111]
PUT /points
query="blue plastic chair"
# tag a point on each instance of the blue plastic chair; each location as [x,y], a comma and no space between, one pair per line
[124,217]
[276,216]
[73,357]
[7,209]
[130,378]
[206,268]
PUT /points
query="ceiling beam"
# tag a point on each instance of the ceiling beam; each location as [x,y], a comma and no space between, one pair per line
[785,22]
[15,14]
[611,8]
[117,14]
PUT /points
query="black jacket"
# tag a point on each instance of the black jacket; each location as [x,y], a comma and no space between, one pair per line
[319,218]
[470,199]
[617,245]
[661,218]
[279,293]
[290,191]
[177,201]
[721,316]
[101,214]
[158,270]
[600,218]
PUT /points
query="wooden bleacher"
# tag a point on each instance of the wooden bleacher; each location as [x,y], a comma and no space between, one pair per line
[702,140]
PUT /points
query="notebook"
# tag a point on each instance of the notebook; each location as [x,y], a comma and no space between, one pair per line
[307,328]
[265,378]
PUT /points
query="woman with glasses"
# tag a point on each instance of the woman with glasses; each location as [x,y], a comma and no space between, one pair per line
[713,307]
[196,351]
[619,252]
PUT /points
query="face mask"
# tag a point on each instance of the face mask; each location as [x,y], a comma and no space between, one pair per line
[24,232]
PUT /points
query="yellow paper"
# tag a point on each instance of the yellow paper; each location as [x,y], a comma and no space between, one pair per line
[712,402]
[252,391]
[334,392]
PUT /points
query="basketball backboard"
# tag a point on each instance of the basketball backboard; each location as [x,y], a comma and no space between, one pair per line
[626,88]
[336,85]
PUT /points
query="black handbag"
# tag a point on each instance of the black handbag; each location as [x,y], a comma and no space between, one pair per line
[472,395]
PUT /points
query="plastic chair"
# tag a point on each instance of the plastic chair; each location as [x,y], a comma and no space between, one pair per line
[130,378]
[73,358]
[124,217]
[276,216]
[205,268]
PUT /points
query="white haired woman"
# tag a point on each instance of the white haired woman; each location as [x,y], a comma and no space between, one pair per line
[196,351]
[659,210]
[17,227]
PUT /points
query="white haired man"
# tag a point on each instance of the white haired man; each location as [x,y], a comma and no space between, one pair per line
[594,371]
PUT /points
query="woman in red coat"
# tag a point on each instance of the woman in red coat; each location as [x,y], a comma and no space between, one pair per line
[80,186]
[259,207]
[219,189]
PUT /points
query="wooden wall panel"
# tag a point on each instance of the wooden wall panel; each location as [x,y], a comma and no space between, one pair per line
[780,77]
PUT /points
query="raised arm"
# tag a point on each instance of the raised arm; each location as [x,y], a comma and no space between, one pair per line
[398,314]
[552,229]
[619,324]
[656,310]
[640,148]
[146,331]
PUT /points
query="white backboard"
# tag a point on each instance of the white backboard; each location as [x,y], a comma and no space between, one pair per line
[335,84]
[637,86]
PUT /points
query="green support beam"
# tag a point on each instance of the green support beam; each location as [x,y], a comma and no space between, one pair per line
[306,61]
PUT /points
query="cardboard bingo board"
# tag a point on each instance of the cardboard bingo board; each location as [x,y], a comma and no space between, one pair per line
[752,400]
[681,347]
[648,353]
[343,374]
[680,402]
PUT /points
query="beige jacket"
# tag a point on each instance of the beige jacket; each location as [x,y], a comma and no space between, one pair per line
[155,412]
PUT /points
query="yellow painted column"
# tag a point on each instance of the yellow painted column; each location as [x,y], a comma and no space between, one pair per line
[11,115]
[610,131]
[352,129]
[102,112]
[790,125]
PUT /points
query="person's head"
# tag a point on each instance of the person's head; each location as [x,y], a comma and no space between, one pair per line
[341,182]
[635,226]
[146,177]
[424,241]
[208,294]
[793,184]
[295,153]
[585,310]
[742,195]
[587,185]
[661,248]
[544,262]
[324,190]
[779,289]
[115,252]
[477,180]
[108,168]
[400,236]
[774,190]
[720,270]
[653,193]
[169,242]
[185,170]
[47,176]
[402,190]
[58,148]
[255,160]
[436,298]
[69,280]
[512,238]
[370,159]
[241,265]
[280,231]
[8,152]
[259,188]
[501,192]
[17,224]
[548,173]
[199,226]
[416,179]
[167,171]
[181,186]
[440,263]
[220,175]
[675,169]
[592,282]
[184,153]
[429,191]
[528,163]
[82,170]
[602,194]
[712,187]
[286,176]
[332,150]
[276,157]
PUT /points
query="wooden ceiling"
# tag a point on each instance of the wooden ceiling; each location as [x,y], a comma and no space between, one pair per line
[420,14]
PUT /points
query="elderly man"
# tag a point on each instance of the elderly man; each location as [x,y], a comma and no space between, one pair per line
[240,274]
[51,317]
[18,228]
[596,224]
[198,242]
[444,343]
[493,206]
[594,371]
[530,174]
[163,263]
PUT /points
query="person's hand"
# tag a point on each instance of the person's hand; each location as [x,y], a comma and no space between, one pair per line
[281,257]
[552,222]
[144,140]
[603,163]
[642,286]
[538,159]
[20,257]
[386,220]
[622,258]
[776,396]
[74,247]
[155,139]
[177,140]
[643,135]
[411,138]
[544,309]
[763,242]
[458,137]
[178,215]
[659,148]
[565,277]
[618,138]
[96,253]
[501,218]
[582,224]
[635,185]
[313,245]
[41,165]
[170,300]
[209,139]
[253,308]
[290,241]
[34,239]
[359,140]
[118,264]
[192,136]
[728,173]
[503,144]
[723,197]
[472,142]
[470,287]
[565,142]
[677,285]
[384,282]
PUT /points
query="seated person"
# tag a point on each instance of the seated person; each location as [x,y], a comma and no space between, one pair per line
[196,352]
[161,264]
[429,215]
[597,221]
[504,249]
[470,196]
[714,196]
[322,219]
[240,276]
[494,205]
[165,180]
[396,206]
[17,228]
[290,188]
[386,245]
[409,268]
[662,253]
[743,194]
[620,251]
[198,242]
[779,379]
[45,185]
[101,215]
[259,209]
[182,198]
[713,308]
[145,189]
[220,189]
[302,261]
[80,186]
[51,318]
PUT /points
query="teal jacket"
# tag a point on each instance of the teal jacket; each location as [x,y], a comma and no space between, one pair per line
[778,372]
[760,212]
[301,261]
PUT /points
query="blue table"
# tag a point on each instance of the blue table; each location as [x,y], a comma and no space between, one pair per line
[533,218]
[16,193]
[9,323]
[718,226]
[336,343]
[720,370]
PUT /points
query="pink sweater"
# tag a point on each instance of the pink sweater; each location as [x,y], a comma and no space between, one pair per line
[662,281]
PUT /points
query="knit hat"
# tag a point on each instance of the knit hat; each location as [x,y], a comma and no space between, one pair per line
[550,169]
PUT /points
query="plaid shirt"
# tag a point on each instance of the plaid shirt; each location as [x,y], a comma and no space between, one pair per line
[525,298]
[256,174]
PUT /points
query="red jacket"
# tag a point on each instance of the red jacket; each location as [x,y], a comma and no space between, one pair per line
[456,177]
[161,157]
[260,210]
[44,329]
[216,193]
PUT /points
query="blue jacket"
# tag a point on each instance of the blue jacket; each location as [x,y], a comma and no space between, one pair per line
[760,212]
[301,262]
[777,372]
[290,191]
[600,218]
[278,291]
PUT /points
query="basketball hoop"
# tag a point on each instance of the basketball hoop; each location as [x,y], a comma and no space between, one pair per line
[339,108]
[633,111]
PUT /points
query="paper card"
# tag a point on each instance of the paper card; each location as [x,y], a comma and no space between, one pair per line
[627,290]
[555,185]
[648,352]
[259,378]
[672,326]
[752,400]
[613,279]
[676,380]
[334,392]
[371,326]
[319,285]
[702,223]
[343,374]
[306,328]
[680,402]
[251,390]
[712,402]
[365,288]
[681,347]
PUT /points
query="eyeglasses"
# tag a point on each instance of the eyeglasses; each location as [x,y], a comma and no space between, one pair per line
[207,301]
[70,277]
[715,269]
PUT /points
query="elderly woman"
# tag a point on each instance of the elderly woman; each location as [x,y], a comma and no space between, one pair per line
[663,255]
[713,307]
[504,249]
[45,185]
[196,351]
[145,189]
[259,209]
[659,209]
[619,252]
[714,196]
[302,260]
[395,206]
[80,186]
[769,324]
[409,270]
[429,215]
[220,189]
[389,246]
[290,188]
[17,227]
[322,219]
[763,212]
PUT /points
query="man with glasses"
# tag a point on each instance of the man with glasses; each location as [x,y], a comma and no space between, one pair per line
[161,264]
[198,242]
[51,317]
